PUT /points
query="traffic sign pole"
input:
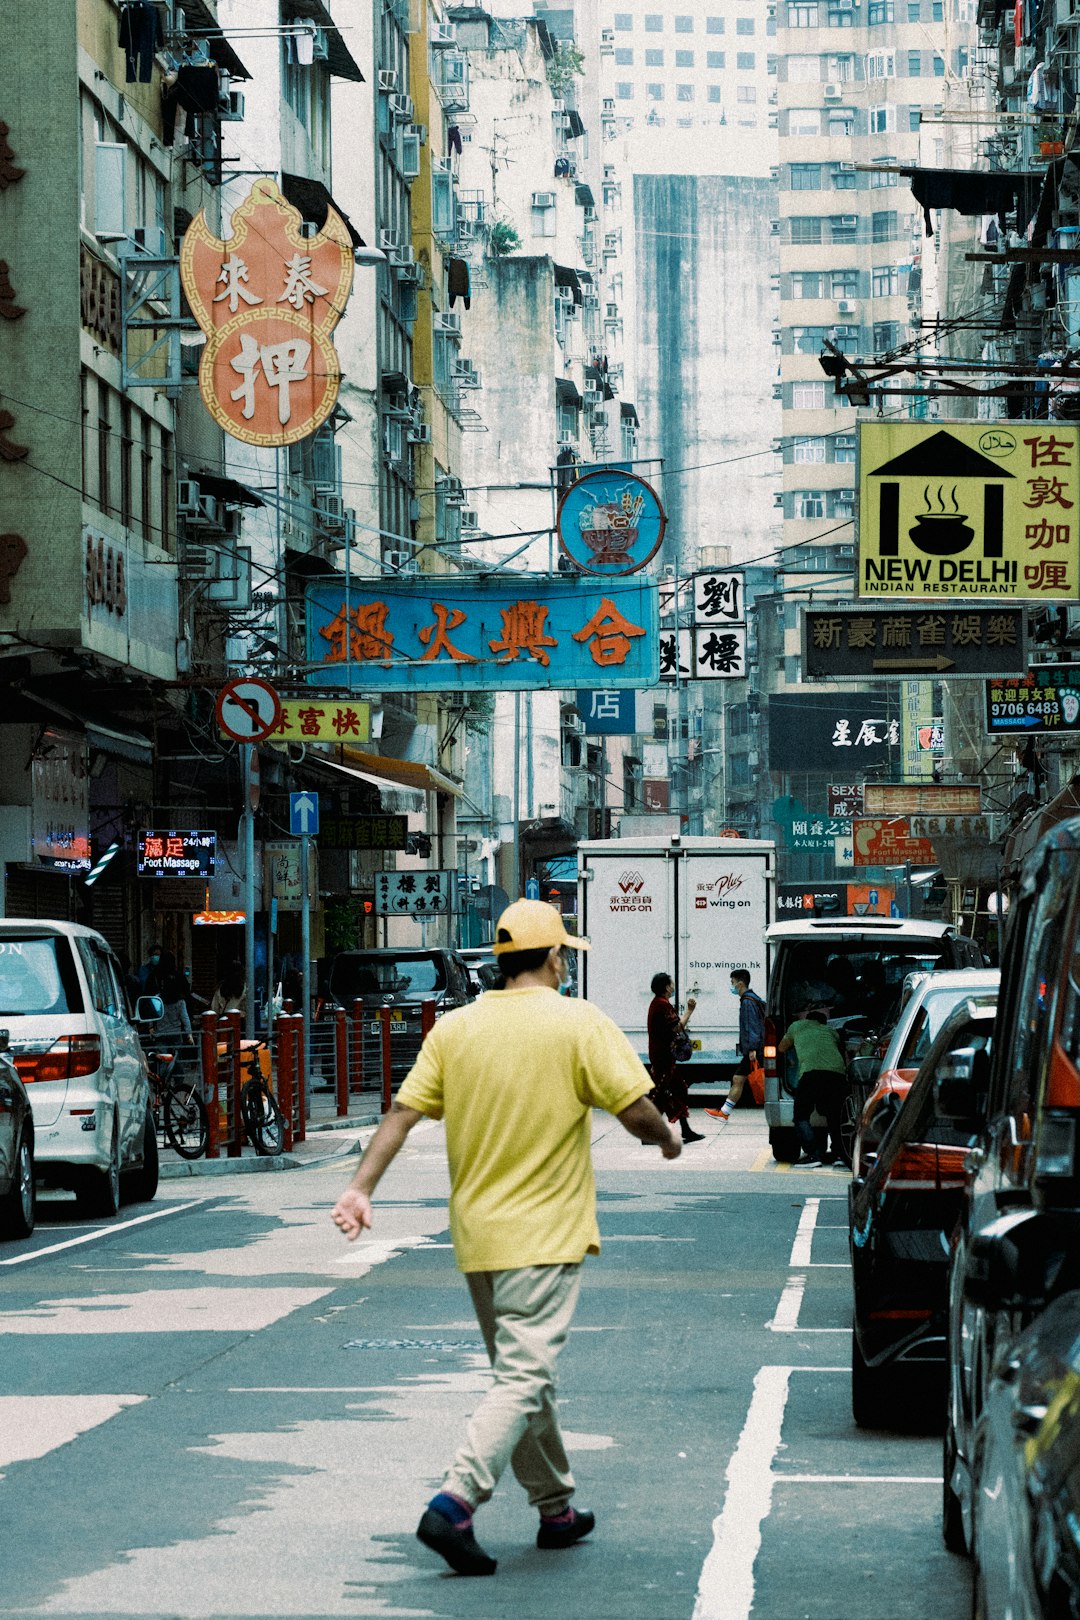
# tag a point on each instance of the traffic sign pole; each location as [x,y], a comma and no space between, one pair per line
[305,948]
[250,799]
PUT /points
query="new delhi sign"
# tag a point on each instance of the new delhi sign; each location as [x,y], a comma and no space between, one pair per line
[268,300]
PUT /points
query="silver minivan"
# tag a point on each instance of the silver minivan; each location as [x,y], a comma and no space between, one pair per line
[77,1051]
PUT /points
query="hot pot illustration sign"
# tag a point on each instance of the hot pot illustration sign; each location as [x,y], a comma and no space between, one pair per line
[610,522]
[268,299]
[969,509]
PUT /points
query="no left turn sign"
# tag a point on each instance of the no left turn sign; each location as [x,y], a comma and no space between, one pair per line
[248,709]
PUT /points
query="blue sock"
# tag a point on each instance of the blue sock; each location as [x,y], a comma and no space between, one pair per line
[452,1508]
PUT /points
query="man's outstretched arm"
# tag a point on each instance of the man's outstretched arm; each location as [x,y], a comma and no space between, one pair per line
[352,1212]
[645,1121]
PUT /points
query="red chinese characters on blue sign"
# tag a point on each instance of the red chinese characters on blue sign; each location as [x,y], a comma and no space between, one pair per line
[495,635]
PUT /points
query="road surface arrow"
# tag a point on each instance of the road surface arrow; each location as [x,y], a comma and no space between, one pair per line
[915,666]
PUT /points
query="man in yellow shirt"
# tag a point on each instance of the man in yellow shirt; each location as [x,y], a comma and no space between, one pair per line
[516,1076]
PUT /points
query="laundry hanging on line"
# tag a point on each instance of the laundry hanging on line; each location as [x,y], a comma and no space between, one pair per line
[140,38]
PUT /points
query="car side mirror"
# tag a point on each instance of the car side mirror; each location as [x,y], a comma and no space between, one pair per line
[961,1084]
[1021,1260]
[865,1070]
[149,1010]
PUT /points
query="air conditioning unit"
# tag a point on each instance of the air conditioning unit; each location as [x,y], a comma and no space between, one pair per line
[234,112]
[401,107]
[465,373]
[402,256]
[846,168]
[833,92]
[387,80]
[469,518]
[400,562]
[845,306]
[388,241]
[845,553]
[320,49]
[467,229]
[450,321]
[848,222]
[567,436]
[420,434]
[210,512]
[330,512]
[187,497]
[232,521]
[411,274]
[198,562]
[544,199]
[608,110]
[443,34]
[574,724]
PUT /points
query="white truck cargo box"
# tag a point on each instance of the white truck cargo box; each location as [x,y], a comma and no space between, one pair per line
[692,907]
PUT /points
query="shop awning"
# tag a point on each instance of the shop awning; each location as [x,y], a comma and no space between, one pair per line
[408,773]
[583,194]
[566,277]
[226,489]
[340,60]
[313,199]
[628,412]
[1022,839]
[575,128]
[202,24]
[566,393]
[412,798]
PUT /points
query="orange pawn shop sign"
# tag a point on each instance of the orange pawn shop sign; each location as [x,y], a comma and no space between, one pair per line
[268,299]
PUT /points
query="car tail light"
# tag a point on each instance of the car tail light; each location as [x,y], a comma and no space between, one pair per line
[768,1050]
[68,1058]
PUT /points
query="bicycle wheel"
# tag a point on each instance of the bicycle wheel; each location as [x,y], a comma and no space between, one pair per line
[263,1120]
[187,1124]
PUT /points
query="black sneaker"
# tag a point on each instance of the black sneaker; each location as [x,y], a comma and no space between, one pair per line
[806,1161]
[564,1535]
[455,1543]
[692,1136]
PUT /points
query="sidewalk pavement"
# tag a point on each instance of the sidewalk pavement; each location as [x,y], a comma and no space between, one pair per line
[328,1137]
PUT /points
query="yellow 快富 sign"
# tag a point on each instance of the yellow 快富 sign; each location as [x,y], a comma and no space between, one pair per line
[319,719]
[969,509]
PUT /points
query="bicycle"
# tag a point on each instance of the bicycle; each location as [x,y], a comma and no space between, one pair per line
[264,1122]
[178,1105]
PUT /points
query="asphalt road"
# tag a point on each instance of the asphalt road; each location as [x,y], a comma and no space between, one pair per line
[217,1408]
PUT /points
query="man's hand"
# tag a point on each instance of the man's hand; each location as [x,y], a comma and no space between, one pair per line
[690,1005]
[753,1059]
[673,1146]
[352,1213]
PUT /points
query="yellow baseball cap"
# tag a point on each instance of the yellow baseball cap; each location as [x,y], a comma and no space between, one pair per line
[532,925]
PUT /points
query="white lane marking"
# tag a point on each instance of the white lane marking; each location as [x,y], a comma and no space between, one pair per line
[858,1479]
[104,1231]
[786,1319]
[726,1584]
[809,1330]
[804,1236]
[829,1265]
[163,1310]
[33,1425]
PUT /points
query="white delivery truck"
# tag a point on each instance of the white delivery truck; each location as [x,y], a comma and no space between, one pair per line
[692,907]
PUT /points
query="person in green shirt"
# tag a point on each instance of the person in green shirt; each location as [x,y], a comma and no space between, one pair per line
[822,1080]
[515,1076]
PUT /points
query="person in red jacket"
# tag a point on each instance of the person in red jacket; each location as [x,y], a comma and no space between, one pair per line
[664,1024]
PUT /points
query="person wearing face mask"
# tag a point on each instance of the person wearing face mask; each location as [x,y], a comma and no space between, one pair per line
[516,1076]
[750,1044]
[149,969]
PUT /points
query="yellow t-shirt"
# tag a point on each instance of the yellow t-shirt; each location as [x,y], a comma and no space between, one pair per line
[516,1075]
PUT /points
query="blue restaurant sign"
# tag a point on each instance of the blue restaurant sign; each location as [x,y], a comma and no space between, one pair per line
[610,522]
[501,634]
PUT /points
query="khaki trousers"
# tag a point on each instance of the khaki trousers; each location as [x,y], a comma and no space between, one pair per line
[524,1316]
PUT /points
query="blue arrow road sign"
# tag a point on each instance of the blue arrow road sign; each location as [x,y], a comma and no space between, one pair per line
[303,814]
[532,888]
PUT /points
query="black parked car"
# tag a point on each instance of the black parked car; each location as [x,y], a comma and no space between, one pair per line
[901,1215]
[1024,1170]
[1027,1504]
[402,980]
[16,1151]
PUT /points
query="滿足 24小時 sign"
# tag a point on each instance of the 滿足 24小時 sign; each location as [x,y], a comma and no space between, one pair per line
[966,509]
[1046,700]
[492,635]
[610,522]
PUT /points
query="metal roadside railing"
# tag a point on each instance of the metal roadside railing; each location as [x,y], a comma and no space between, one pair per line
[359,1053]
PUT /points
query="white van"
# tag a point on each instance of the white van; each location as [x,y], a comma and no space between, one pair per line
[62,1000]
